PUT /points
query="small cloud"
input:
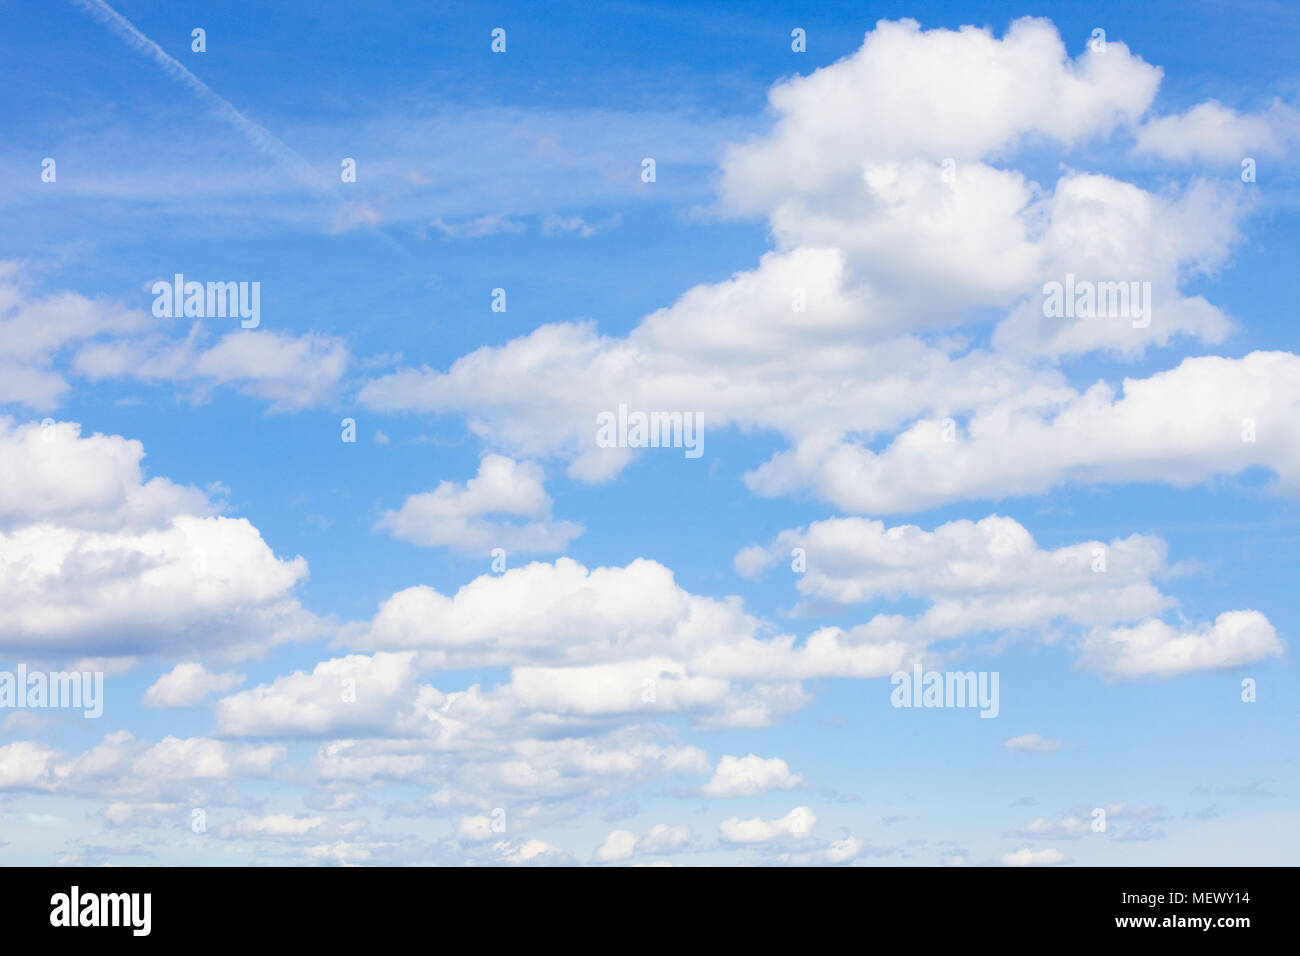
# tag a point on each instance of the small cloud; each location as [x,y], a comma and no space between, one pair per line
[381,360]
[1140,834]
[476,516]
[1032,744]
[624,844]
[187,685]
[748,776]
[1028,857]
[553,225]
[1253,789]
[797,825]
[478,228]
[354,216]
[1069,828]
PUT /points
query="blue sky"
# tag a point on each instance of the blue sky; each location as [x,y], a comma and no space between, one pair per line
[501,717]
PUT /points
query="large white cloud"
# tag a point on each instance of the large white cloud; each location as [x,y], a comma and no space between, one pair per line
[991,576]
[1154,648]
[1207,417]
[96,561]
[980,94]
[51,474]
[539,396]
[979,574]
[877,245]
[627,640]
[557,612]
[341,696]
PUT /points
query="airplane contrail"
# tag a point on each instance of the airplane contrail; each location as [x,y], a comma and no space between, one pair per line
[261,137]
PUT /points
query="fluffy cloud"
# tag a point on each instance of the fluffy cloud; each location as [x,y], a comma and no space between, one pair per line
[1154,648]
[461,516]
[548,387]
[34,332]
[796,825]
[624,687]
[990,575]
[918,247]
[98,340]
[747,776]
[564,615]
[1209,416]
[1101,230]
[468,748]
[288,371]
[981,95]
[53,475]
[200,584]
[619,845]
[624,844]
[852,328]
[122,765]
[26,764]
[347,695]
[351,761]
[95,561]
[621,641]
[593,645]
[1212,131]
[556,613]
[979,574]
[875,244]
[188,684]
